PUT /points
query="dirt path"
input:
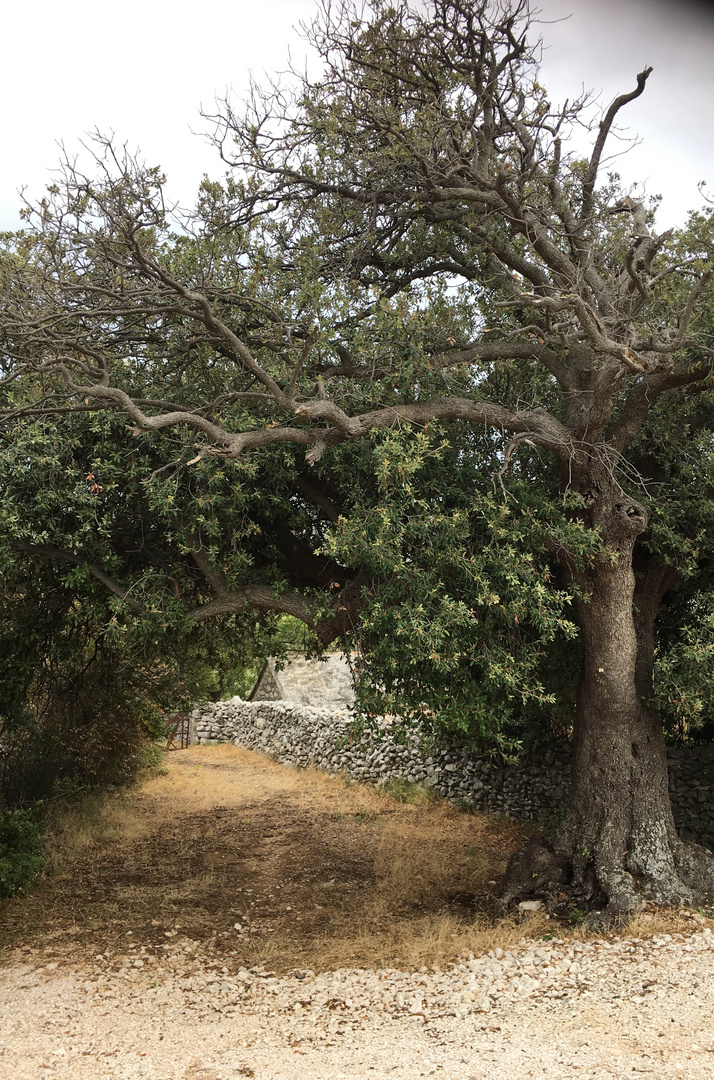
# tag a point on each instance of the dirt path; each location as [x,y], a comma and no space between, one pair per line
[247,920]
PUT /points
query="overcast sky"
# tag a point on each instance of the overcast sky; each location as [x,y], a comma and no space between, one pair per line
[143,68]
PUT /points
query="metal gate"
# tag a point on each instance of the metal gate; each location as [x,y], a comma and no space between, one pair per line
[178,731]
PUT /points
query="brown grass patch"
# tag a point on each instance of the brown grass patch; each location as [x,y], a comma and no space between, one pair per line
[318,873]
[95,820]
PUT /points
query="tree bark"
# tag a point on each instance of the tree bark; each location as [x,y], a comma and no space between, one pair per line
[621,835]
[621,828]
[619,841]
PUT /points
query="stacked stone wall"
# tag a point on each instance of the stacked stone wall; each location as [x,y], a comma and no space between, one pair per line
[301,736]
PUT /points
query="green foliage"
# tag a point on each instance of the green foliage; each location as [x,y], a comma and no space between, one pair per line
[441,555]
[576,916]
[464,609]
[684,668]
[21,850]
[87,672]
[406,791]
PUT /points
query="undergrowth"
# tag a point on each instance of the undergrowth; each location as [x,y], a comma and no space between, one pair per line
[46,836]
[22,849]
[407,791]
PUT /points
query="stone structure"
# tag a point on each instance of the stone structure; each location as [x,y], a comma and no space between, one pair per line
[325,683]
[303,736]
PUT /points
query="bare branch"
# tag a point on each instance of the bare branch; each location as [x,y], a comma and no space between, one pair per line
[257,596]
[643,395]
[201,557]
[47,551]
[603,133]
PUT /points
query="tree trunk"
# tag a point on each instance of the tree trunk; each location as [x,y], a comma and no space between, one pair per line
[619,842]
[620,827]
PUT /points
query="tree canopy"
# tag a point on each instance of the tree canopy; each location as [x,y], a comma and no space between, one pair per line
[414,373]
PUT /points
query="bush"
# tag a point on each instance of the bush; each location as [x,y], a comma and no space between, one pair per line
[21,850]
[406,791]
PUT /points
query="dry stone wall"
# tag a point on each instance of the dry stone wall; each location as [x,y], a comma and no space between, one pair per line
[302,736]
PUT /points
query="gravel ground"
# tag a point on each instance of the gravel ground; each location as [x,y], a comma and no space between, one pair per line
[546,1009]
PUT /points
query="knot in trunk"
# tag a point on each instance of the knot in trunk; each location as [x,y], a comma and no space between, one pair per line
[620,518]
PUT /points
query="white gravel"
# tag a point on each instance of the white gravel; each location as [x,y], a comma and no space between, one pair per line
[548,1009]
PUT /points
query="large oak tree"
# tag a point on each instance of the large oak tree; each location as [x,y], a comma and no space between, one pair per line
[407,268]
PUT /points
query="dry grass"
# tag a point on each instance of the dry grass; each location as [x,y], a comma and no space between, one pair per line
[95,820]
[327,874]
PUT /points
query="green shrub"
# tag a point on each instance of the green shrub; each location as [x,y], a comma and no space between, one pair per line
[21,850]
[406,791]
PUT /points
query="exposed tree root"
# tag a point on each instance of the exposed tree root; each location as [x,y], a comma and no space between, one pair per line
[609,891]
[536,870]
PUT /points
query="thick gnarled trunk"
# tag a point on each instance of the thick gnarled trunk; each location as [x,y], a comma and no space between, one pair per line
[620,827]
[620,834]
[619,844]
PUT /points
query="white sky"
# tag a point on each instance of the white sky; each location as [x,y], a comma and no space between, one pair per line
[603,45]
[142,68]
